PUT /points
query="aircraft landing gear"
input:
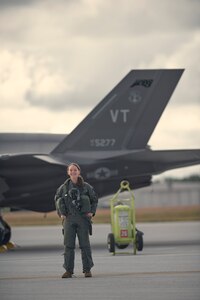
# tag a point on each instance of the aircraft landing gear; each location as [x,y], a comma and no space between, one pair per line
[5,233]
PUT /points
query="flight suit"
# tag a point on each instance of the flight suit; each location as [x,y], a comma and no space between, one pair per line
[75,202]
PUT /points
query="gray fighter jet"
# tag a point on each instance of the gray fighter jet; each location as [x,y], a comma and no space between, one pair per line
[110,145]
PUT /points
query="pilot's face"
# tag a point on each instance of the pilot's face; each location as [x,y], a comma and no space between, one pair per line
[73,172]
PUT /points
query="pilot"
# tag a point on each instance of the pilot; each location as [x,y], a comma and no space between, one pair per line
[76,203]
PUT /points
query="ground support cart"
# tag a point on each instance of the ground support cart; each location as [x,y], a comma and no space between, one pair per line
[124,231]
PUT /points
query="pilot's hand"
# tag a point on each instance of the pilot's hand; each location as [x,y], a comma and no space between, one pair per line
[90,214]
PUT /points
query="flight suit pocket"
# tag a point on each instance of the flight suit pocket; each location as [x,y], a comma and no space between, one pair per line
[85,204]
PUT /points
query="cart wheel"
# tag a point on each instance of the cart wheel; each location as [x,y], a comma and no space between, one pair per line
[111,242]
[139,240]
[122,246]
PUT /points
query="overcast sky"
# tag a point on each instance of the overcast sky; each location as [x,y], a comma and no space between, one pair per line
[58,59]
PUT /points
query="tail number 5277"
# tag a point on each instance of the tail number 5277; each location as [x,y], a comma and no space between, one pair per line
[102,142]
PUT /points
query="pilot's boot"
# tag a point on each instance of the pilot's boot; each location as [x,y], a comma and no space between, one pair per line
[67,275]
[88,274]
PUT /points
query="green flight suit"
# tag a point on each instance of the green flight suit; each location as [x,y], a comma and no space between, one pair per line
[75,202]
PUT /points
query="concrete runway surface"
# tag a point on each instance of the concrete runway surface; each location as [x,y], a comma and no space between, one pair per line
[167,268]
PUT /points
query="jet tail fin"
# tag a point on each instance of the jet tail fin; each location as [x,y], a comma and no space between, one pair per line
[127,116]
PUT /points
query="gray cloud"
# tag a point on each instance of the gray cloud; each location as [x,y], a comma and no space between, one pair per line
[149,17]
[72,53]
[7,4]
[62,20]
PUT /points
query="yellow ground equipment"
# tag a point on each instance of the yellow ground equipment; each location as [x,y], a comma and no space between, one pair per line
[123,226]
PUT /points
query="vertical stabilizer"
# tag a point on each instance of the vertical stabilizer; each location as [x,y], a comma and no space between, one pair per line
[127,116]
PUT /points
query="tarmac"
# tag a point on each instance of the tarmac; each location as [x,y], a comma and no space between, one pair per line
[167,268]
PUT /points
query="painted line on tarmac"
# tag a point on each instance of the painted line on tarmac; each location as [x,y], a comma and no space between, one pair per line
[103,275]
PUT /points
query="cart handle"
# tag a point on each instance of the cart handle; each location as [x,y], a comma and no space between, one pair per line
[124,184]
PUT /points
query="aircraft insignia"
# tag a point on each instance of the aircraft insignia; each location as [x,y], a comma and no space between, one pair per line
[134,97]
[102,173]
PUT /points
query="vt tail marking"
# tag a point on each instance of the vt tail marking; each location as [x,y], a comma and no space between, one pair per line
[119,112]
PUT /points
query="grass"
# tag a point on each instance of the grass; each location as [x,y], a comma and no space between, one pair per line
[155,214]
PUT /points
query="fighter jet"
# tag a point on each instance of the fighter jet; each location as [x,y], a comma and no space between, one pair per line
[110,145]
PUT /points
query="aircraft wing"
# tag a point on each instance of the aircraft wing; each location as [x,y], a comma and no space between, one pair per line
[164,160]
